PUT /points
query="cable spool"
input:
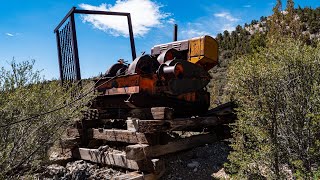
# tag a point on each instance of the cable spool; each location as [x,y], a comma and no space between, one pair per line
[143,65]
[168,55]
[115,69]
[170,71]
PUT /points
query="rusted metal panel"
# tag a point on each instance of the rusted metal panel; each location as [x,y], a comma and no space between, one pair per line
[121,81]
[122,90]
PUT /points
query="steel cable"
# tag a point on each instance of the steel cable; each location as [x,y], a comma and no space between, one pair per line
[64,106]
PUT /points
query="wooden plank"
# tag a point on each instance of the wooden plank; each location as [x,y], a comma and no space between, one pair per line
[117,135]
[224,109]
[69,142]
[162,113]
[132,124]
[156,113]
[142,151]
[121,136]
[179,124]
[118,159]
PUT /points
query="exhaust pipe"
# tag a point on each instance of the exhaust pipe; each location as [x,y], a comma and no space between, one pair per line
[175,32]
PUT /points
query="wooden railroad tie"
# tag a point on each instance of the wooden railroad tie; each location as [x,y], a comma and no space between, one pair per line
[139,142]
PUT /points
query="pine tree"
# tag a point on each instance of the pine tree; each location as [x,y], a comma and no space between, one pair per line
[292,21]
[276,22]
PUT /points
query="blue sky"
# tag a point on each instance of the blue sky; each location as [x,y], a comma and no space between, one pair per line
[26,27]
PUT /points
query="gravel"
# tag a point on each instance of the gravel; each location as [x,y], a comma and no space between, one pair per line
[78,170]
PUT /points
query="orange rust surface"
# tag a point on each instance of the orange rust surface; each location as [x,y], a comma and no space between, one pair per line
[123,81]
[148,84]
[145,83]
[190,97]
[132,84]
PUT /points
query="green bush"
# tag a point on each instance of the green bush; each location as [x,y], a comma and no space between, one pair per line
[23,96]
[277,90]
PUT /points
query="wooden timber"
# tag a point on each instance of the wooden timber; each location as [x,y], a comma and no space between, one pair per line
[152,113]
[155,113]
[117,135]
[122,136]
[141,151]
[118,159]
[69,142]
[179,124]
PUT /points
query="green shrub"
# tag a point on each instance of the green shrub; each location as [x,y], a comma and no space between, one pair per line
[277,90]
[23,96]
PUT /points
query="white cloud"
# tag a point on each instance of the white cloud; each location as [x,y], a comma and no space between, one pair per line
[227,16]
[226,20]
[171,21]
[247,6]
[190,33]
[210,25]
[9,34]
[195,29]
[145,14]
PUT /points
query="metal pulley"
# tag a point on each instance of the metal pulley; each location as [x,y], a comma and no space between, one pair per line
[168,55]
[170,71]
[143,65]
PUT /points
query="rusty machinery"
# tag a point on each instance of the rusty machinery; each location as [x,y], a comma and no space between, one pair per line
[173,75]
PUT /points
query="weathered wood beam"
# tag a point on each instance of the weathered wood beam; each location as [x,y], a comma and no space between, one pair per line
[118,159]
[69,142]
[179,124]
[121,136]
[116,135]
[142,151]
[153,113]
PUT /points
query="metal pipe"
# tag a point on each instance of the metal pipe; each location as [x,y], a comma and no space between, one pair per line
[64,19]
[80,11]
[133,47]
[175,32]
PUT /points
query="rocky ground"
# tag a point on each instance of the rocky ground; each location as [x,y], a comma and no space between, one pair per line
[199,163]
[77,170]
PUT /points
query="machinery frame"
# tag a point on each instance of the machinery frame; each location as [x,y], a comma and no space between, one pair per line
[67,45]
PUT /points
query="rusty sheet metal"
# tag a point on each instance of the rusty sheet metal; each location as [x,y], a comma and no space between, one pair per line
[122,90]
[146,83]
[121,81]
